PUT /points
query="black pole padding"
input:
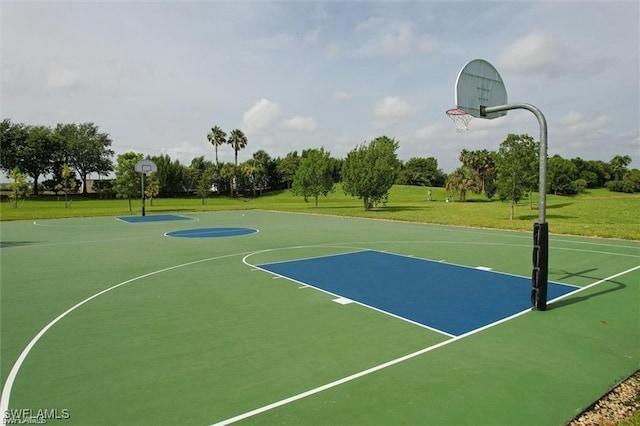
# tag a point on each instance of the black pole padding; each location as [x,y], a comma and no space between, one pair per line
[540,266]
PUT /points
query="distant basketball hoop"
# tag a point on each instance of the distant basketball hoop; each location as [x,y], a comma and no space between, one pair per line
[145,167]
[460,118]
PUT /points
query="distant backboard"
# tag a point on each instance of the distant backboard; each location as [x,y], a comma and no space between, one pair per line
[146,167]
[479,85]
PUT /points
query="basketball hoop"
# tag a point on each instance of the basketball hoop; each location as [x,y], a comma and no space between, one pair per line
[460,118]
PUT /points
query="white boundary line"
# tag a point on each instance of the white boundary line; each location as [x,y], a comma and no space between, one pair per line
[515,233]
[6,390]
[304,258]
[410,256]
[394,361]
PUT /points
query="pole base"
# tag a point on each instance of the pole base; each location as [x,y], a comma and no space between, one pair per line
[540,272]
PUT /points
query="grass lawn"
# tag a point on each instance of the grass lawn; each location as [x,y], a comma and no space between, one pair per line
[596,213]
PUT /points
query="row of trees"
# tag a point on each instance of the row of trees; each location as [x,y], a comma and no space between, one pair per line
[367,172]
[513,172]
[39,150]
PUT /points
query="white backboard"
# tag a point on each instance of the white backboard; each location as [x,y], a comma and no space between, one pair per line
[479,85]
[146,166]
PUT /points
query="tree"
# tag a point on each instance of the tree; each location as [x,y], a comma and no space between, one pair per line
[482,165]
[288,166]
[68,184]
[619,165]
[86,148]
[127,183]
[423,172]
[238,141]
[515,163]
[595,168]
[561,175]
[250,172]
[18,186]
[461,180]
[262,161]
[31,149]
[217,138]
[206,180]
[227,174]
[170,175]
[13,138]
[370,170]
[589,171]
[151,187]
[314,176]
[104,188]
[193,173]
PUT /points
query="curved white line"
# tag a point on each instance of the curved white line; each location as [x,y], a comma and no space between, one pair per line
[244,259]
[6,390]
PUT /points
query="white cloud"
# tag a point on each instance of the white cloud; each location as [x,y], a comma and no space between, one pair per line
[297,123]
[369,24]
[312,36]
[7,75]
[537,53]
[185,152]
[428,132]
[398,42]
[334,50]
[427,44]
[338,96]
[392,110]
[577,132]
[394,39]
[260,117]
[57,78]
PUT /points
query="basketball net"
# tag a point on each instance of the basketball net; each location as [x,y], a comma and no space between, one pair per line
[460,118]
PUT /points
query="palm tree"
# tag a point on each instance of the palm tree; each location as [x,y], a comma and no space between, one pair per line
[237,140]
[217,137]
[262,160]
[251,169]
[461,180]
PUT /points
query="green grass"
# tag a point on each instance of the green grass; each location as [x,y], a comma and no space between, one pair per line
[632,421]
[597,213]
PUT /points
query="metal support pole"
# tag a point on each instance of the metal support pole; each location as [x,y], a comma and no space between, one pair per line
[540,229]
[143,213]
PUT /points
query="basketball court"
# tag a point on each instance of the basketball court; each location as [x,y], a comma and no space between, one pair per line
[311,320]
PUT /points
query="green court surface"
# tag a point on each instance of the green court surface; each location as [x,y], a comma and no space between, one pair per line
[117,323]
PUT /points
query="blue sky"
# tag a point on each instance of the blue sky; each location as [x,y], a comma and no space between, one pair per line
[293,75]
